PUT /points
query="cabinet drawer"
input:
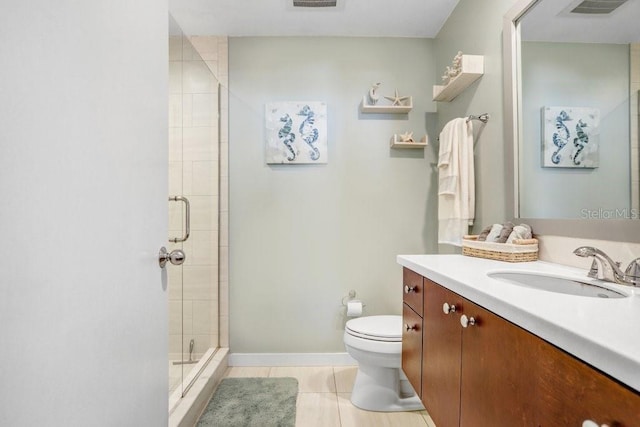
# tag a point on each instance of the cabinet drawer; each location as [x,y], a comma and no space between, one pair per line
[412,289]
[412,348]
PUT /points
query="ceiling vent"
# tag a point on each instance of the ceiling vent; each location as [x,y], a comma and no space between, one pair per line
[314,3]
[598,7]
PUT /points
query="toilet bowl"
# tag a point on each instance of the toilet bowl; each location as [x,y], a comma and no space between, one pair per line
[375,342]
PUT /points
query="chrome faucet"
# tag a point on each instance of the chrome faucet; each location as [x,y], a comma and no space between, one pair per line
[604,268]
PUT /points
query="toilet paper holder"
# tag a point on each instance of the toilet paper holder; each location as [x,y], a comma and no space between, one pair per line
[350,297]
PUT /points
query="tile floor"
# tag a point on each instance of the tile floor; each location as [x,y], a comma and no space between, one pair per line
[323,398]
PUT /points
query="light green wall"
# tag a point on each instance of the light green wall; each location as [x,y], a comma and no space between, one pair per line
[475,27]
[575,75]
[302,236]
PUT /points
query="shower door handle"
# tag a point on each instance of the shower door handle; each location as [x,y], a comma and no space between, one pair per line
[187,218]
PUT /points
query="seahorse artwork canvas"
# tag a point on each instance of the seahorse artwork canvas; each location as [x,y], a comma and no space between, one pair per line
[296,132]
[571,137]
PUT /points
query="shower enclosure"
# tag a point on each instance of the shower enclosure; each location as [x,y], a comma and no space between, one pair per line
[194,209]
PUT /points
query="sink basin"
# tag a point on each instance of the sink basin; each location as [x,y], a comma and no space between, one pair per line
[556,284]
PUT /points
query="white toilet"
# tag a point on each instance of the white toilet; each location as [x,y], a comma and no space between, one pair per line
[375,342]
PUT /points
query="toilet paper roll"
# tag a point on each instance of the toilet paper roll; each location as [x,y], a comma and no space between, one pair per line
[354,308]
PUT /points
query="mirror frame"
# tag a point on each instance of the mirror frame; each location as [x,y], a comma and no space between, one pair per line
[604,229]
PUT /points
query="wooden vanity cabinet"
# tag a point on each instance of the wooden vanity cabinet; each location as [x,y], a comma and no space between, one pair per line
[494,373]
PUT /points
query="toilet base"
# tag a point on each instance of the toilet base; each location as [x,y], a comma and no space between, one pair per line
[381,389]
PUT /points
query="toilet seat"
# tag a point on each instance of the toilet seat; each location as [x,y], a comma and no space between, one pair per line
[376,328]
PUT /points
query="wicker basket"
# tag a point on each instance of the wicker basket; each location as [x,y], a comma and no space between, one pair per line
[520,250]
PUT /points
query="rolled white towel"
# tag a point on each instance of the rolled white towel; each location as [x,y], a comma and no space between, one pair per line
[494,233]
[522,231]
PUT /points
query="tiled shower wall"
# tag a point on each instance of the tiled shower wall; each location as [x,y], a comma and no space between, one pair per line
[198,171]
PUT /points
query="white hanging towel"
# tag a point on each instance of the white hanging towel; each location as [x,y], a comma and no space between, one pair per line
[456,185]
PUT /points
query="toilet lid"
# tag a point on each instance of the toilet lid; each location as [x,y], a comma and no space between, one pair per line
[378,328]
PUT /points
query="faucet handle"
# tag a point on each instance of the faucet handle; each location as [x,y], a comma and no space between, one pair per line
[633,270]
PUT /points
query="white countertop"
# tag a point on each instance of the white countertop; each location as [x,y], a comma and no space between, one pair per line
[602,332]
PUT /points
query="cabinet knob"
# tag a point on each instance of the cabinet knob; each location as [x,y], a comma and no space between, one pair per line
[410,328]
[446,308]
[467,321]
[589,423]
[409,289]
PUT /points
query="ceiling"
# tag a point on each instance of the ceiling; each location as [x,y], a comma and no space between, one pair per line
[550,21]
[380,18]
[547,21]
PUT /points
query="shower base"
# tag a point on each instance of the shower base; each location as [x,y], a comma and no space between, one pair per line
[200,383]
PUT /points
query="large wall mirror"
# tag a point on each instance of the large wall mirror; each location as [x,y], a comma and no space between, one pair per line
[572,80]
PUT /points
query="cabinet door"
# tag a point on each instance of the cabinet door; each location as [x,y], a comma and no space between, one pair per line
[499,372]
[571,392]
[441,353]
[412,348]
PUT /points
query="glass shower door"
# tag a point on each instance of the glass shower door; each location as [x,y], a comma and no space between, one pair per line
[193,210]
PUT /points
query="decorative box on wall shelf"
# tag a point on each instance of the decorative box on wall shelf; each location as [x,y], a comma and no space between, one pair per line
[472,70]
[386,109]
[396,143]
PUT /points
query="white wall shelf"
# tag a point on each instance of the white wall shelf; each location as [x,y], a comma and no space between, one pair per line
[396,143]
[386,109]
[472,70]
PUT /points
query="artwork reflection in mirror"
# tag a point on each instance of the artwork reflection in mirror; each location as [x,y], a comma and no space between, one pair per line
[570,137]
[577,61]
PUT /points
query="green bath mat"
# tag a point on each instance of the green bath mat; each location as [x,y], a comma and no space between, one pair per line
[252,402]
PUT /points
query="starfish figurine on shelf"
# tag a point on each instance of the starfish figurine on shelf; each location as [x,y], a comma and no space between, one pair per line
[397,100]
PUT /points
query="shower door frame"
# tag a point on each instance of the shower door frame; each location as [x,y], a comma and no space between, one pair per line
[200,50]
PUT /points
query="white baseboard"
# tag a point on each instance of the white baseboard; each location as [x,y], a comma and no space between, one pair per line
[291,359]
